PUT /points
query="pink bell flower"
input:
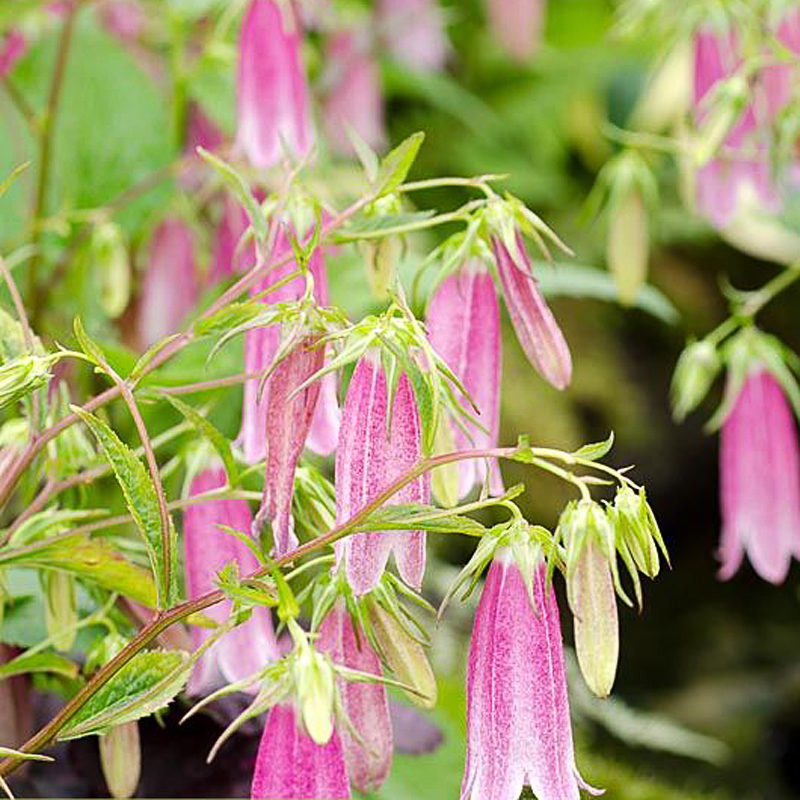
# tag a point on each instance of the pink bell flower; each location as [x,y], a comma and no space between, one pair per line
[354,98]
[207,548]
[463,320]
[12,47]
[272,93]
[366,463]
[230,255]
[536,327]
[170,288]
[759,481]
[260,348]
[414,32]
[517,25]
[365,704]
[291,765]
[518,724]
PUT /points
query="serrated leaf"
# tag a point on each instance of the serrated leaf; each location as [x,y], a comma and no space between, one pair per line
[94,560]
[397,163]
[146,357]
[38,662]
[366,155]
[417,516]
[51,521]
[231,316]
[148,682]
[140,497]
[209,432]
[595,450]
[87,345]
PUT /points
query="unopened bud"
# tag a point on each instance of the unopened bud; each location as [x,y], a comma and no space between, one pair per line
[404,655]
[314,682]
[121,759]
[730,100]
[444,479]
[61,613]
[628,244]
[590,590]
[698,366]
[110,258]
[21,376]
[380,262]
[632,518]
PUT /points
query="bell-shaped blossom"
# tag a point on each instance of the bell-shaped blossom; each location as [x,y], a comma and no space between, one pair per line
[365,704]
[414,32]
[169,288]
[291,765]
[517,25]
[518,724]
[536,327]
[778,78]
[230,254]
[12,47]
[463,321]
[248,647]
[367,461]
[260,348]
[759,481]
[272,93]
[201,130]
[354,98]
[287,423]
[16,706]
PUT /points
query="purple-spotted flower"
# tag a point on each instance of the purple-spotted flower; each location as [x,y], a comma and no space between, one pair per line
[290,764]
[759,481]
[463,320]
[518,724]
[517,25]
[170,288]
[261,346]
[414,32]
[272,93]
[367,460]
[536,327]
[248,647]
[365,704]
[354,98]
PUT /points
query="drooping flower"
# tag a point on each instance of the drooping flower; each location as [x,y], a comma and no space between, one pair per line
[248,647]
[366,463]
[759,481]
[518,724]
[365,704]
[354,98]
[169,288]
[414,31]
[16,706]
[291,765]
[230,254]
[778,78]
[287,423]
[536,327]
[260,348]
[463,320]
[517,25]
[272,94]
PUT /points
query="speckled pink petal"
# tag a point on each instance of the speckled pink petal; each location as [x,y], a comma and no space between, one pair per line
[291,765]
[365,704]
[536,327]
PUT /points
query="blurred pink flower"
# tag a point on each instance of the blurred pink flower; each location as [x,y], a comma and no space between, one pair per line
[124,18]
[354,98]
[759,481]
[12,47]
[169,288]
[207,548]
[291,765]
[414,32]
[366,463]
[463,321]
[365,704]
[230,255]
[272,93]
[517,25]
[518,724]
[536,327]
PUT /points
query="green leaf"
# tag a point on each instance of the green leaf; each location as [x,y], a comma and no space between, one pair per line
[147,356]
[142,501]
[38,662]
[210,432]
[228,318]
[87,345]
[148,682]
[94,560]
[596,450]
[397,163]
[12,176]
[373,227]
[415,516]
[51,521]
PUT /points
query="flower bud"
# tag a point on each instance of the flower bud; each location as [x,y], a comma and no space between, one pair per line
[445,479]
[404,655]
[60,609]
[121,759]
[590,589]
[314,681]
[380,262]
[698,366]
[21,376]
[110,257]
[632,518]
[627,244]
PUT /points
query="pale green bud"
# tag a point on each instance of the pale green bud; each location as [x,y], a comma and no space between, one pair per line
[121,759]
[380,262]
[633,520]
[110,258]
[730,99]
[404,655]
[314,683]
[444,479]
[21,376]
[61,613]
[628,243]
[698,366]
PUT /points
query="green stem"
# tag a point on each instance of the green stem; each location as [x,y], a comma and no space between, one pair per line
[770,290]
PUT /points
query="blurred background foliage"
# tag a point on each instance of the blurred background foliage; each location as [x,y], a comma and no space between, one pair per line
[720,658]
